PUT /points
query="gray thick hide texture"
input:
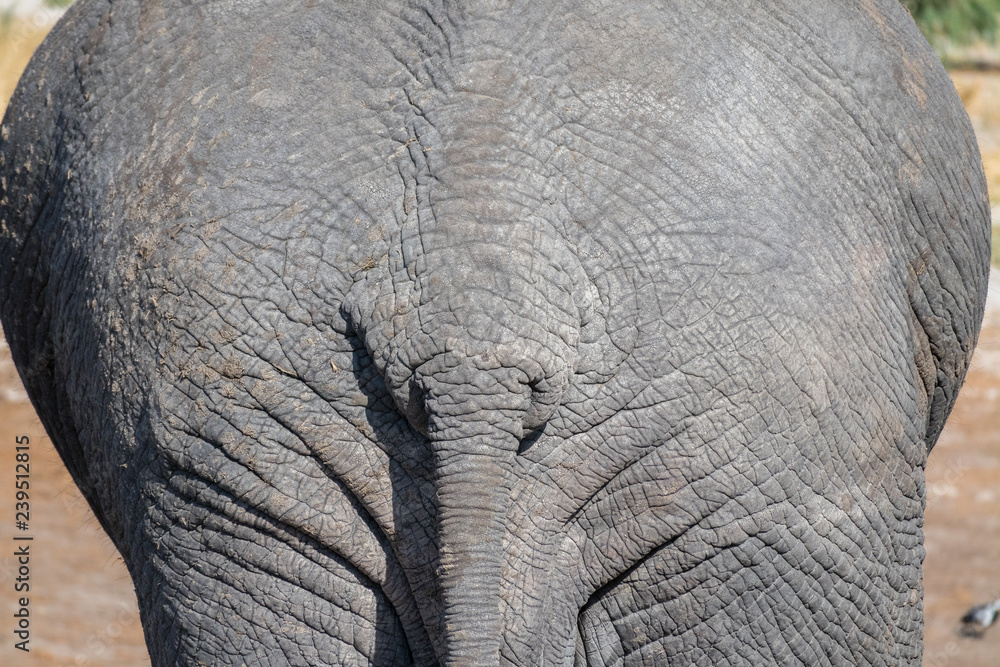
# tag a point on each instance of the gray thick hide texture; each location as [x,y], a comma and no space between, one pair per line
[501,332]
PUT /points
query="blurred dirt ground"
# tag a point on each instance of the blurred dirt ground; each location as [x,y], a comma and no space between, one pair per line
[82,605]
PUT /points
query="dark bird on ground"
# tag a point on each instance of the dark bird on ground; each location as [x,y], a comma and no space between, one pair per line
[980,617]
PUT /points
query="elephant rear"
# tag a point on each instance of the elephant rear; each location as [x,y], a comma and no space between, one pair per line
[475,334]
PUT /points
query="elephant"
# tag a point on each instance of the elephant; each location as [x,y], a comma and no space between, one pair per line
[498,332]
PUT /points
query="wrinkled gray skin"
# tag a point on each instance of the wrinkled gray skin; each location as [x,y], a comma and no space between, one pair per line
[520,333]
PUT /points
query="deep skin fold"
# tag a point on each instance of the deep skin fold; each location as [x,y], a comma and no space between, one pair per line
[683,294]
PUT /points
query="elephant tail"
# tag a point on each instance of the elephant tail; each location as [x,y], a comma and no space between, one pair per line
[474,324]
[474,387]
[474,439]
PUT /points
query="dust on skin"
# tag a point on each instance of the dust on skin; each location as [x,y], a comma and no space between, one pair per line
[910,75]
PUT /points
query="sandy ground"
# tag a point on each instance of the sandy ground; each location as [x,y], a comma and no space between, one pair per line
[82,605]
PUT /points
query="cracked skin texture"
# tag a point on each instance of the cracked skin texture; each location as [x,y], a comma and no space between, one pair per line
[498,333]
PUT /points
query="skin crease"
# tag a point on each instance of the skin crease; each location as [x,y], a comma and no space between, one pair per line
[481,333]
